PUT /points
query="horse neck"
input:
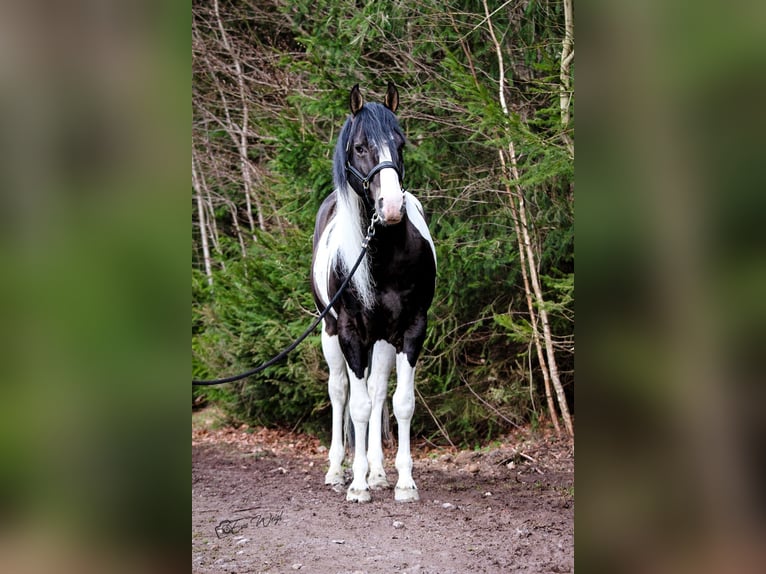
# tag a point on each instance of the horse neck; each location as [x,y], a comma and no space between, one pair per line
[352,222]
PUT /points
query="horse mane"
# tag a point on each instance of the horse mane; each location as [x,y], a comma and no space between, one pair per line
[379,124]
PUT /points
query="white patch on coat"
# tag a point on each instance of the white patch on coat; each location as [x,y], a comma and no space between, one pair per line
[418,219]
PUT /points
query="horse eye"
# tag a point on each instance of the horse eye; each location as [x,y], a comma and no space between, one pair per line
[360,149]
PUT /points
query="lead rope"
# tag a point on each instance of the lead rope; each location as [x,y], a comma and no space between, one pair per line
[365,244]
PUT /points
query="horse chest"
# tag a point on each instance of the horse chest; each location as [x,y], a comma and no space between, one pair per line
[400,302]
[398,286]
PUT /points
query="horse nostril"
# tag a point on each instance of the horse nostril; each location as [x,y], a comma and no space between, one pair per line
[380,203]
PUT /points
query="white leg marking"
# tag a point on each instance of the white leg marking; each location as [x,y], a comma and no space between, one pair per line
[404,407]
[383,358]
[337,387]
[359,407]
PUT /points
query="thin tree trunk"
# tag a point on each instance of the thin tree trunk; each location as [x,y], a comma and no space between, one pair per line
[535,281]
[202,225]
[527,245]
[249,184]
[565,87]
[213,228]
[235,221]
[210,211]
[530,305]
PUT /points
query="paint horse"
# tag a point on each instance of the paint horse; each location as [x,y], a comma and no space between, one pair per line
[380,320]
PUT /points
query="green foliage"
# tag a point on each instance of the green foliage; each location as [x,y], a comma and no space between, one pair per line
[476,376]
[258,309]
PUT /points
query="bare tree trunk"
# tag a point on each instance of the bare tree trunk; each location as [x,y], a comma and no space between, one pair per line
[249,183]
[202,225]
[565,87]
[213,228]
[531,264]
[530,305]
[209,209]
[235,221]
[535,281]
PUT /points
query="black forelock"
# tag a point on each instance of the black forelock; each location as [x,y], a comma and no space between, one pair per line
[377,122]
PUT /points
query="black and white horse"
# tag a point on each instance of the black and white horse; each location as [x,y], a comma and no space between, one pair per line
[380,321]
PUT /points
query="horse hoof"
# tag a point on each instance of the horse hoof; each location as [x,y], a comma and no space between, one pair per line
[334,478]
[378,482]
[358,495]
[406,494]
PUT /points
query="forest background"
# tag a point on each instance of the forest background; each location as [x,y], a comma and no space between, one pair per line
[486,91]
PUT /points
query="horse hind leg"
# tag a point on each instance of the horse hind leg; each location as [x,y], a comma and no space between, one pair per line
[383,359]
[404,407]
[337,387]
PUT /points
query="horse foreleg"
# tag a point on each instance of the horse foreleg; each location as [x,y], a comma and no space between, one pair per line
[383,358]
[360,407]
[337,387]
[404,407]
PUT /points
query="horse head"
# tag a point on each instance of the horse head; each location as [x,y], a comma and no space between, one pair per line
[371,145]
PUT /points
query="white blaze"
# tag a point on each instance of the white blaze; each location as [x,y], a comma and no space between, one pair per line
[391,197]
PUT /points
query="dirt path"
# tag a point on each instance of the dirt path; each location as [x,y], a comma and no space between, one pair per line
[259,505]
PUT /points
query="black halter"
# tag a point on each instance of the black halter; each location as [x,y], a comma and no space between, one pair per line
[368,178]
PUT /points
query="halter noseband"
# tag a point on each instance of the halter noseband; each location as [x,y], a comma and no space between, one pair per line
[368,178]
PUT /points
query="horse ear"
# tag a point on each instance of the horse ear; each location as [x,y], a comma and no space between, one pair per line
[391,100]
[355,100]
